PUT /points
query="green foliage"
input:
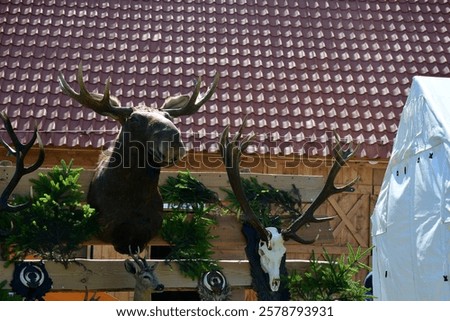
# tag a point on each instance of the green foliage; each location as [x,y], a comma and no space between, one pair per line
[332,279]
[6,295]
[189,234]
[190,240]
[266,201]
[7,223]
[57,222]
[186,191]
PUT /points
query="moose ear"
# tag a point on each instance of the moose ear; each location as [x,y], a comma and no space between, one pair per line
[176,102]
[130,267]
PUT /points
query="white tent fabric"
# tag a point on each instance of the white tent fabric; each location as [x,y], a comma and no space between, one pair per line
[411,219]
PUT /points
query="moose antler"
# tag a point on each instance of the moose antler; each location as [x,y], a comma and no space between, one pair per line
[102,104]
[231,152]
[188,105]
[19,151]
[108,105]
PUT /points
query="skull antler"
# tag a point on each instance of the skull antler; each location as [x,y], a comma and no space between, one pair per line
[231,153]
[341,157]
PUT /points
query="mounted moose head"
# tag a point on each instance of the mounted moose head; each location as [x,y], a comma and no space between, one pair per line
[124,189]
[271,245]
[146,280]
[19,151]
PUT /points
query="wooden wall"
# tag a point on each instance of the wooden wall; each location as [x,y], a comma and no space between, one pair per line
[351,210]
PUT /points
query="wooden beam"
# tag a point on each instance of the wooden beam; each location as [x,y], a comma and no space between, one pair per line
[309,186]
[229,236]
[110,275]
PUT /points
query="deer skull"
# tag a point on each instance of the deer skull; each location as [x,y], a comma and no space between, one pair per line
[271,249]
[271,257]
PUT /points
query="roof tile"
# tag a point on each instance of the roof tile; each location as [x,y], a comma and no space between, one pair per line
[298,70]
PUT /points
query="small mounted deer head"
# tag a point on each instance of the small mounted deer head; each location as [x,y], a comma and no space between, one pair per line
[271,248]
[146,280]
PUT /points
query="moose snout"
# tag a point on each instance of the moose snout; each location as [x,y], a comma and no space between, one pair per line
[172,151]
[169,148]
[159,288]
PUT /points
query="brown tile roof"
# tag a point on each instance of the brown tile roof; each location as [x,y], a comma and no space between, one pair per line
[301,69]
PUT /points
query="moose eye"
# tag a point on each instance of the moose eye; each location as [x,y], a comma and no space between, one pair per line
[167,115]
[134,120]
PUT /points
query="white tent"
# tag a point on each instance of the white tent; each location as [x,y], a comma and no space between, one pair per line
[411,219]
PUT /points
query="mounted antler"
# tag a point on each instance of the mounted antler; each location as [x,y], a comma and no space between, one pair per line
[271,249]
[231,153]
[341,157]
[144,274]
[108,105]
[188,105]
[19,151]
[103,104]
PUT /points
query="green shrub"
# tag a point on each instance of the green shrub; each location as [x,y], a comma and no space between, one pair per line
[190,240]
[269,204]
[6,295]
[332,279]
[57,222]
[185,191]
[187,228]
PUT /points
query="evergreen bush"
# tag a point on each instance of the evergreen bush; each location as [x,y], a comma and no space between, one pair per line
[331,280]
[57,222]
[187,228]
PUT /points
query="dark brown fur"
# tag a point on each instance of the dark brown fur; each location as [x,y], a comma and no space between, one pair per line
[124,188]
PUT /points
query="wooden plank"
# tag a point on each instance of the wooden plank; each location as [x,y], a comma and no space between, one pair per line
[23,188]
[309,186]
[230,242]
[110,275]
